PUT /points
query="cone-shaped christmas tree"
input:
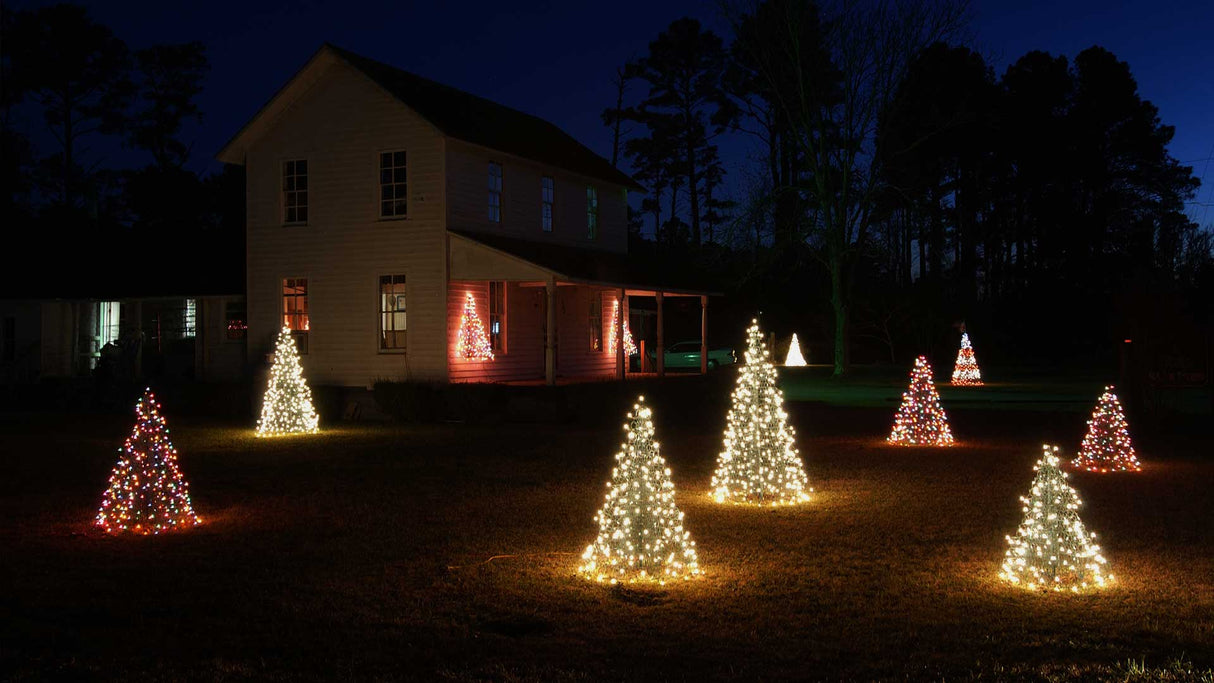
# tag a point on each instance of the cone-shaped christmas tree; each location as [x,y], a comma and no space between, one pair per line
[641,536]
[759,463]
[966,372]
[1107,447]
[147,494]
[286,407]
[794,359]
[630,347]
[473,343]
[1052,550]
[921,420]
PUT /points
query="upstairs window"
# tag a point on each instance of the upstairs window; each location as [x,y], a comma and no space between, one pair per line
[547,191]
[497,316]
[495,192]
[295,310]
[295,191]
[391,312]
[236,322]
[592,213]
[393,189]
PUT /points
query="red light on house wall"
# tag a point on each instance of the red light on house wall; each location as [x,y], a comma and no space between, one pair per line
[1128,341]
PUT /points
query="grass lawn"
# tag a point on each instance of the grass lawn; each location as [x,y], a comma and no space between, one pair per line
[448,552]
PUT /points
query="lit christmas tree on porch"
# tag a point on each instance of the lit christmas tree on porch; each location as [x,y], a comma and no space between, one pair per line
[965,371]
[147,493]
[630,347]
[921,420]
[1106,447]
[759,463]
[641,536]
[794,359]
[473,342]
[286,407]
[1052,550]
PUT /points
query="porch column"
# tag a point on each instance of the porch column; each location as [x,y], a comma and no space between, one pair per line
[703,334]
[619,336]
[550,332]
[660,351]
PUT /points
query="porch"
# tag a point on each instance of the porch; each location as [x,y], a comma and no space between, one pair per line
[553,314]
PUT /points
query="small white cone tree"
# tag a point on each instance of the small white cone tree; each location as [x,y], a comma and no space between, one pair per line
[921,420]
[286,407]
[147,492]
[759,463]
[794,359]
[965,370]
[1052,550]
[641,536]
[1106,447]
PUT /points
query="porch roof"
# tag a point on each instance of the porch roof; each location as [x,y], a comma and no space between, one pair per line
[490,256]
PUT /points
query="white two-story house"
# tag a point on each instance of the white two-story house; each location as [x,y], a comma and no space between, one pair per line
[379,201]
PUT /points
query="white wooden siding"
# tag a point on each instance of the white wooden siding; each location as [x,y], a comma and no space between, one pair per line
[339,125]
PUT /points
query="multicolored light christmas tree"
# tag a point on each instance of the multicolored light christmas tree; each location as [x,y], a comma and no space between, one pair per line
[473,343]
[147,493]
[1107,447]
[759,463]
[286,407]
[921,420]
[794,359]
[966,372]
[641,536]
[1052,550]
[630,347]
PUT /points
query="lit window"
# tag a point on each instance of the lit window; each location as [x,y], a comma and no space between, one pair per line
[596,321]
[237,324]
[497,316]
[109,321]
[393,190]
[295,309]
[592,213]
[295,191]
[391,312]
[189,319]
[546,197]
[495,192]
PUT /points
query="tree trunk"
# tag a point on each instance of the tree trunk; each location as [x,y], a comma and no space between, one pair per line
[839,306]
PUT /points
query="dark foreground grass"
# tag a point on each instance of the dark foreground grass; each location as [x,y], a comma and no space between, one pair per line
[448,552]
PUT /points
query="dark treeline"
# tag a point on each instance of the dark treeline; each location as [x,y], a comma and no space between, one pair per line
[106,230]
[902,188]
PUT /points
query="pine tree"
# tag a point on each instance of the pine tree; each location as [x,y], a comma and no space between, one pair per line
[641,536]
[759,463]
[965,371]
[1052,550]
[147,493]
[1106,447]
[287,405]
[630,347]
[794,359]
[473,343]
[921,420]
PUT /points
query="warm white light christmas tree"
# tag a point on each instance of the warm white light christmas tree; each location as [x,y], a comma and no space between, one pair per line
[286,407]
[147,493]
[759,463]
[921,420]
[1052,550]
[641,535]
[630,347]
[794,359]
[965,371]
[473,343]
[1106,447]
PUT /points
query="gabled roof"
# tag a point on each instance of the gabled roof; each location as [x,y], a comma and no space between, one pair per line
[473,119]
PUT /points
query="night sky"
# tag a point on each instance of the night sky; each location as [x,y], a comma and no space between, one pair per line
[555,59]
